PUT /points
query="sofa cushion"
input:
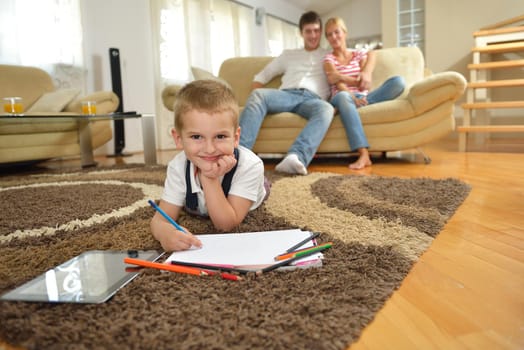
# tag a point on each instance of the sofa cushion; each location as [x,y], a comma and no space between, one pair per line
[27,82]
[54,101]
[201,74]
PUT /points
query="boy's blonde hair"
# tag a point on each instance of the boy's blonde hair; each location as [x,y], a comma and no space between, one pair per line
[209,96]
[339,22]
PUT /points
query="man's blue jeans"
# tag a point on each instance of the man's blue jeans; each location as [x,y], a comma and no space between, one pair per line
[318,113]
[389,90]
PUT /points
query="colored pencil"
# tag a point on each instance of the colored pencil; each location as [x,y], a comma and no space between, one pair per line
[300,244]
[284,263]
[229,276]
[167,217]
[224,275]
[180,269]
[226,268]
[160,266]
[304,252]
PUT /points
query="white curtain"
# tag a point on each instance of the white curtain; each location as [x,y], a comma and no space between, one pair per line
[282,35]
[200,33]
[45,34]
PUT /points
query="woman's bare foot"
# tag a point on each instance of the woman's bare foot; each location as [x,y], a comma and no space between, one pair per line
[362,161]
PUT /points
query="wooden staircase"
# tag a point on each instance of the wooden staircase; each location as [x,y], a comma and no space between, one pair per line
[495,39]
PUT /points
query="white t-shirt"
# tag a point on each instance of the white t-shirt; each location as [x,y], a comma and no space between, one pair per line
[247,182]
[301,69]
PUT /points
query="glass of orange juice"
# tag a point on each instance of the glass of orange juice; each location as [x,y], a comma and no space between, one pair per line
[13,105]
[89,107]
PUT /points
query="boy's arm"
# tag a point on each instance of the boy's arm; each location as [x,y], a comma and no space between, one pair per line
[169,237]
[225,213]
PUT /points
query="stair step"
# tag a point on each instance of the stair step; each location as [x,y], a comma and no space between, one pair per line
[487,32]
[489,105]
[496,83]
[491,128]
[500,48]
[497,64]
[505,22]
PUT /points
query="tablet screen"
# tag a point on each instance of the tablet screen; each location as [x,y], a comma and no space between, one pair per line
[91,277]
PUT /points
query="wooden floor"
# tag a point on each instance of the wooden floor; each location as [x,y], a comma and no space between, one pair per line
[467,290]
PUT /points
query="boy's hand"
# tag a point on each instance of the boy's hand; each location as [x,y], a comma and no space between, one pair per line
[223,165]
[173,240]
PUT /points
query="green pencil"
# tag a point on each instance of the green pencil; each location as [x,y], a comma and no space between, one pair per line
[290,260]
[304,252]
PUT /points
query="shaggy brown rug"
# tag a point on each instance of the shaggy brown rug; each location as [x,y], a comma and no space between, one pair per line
[379,226]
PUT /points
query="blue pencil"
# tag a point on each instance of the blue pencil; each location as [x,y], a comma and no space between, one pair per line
[168,218]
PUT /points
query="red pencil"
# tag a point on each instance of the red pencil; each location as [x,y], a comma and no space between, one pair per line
[229,276]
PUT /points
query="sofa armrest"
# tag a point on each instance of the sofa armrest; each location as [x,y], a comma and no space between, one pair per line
[106,102]
[435,89]
[169,95]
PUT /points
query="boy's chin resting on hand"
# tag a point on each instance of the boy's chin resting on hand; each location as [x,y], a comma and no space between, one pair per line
[219,168]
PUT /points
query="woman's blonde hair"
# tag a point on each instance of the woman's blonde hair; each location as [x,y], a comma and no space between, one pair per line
[209,96]
[336,21]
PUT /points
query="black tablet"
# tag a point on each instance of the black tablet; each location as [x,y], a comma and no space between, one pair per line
[92,277]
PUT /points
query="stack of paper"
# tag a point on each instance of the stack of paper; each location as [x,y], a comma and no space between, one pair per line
[248,251]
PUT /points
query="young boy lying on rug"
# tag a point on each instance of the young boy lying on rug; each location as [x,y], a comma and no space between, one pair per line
[212,176]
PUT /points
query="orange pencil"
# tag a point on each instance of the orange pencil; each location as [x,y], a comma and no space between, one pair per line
[305,251]
[172,268]
[180,269]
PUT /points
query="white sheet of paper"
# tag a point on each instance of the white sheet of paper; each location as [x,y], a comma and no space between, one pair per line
[244,249]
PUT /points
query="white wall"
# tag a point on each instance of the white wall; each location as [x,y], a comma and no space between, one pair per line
[124,25]
[276,8]
[362,17]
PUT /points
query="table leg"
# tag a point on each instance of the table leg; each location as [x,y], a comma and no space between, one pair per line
[149,138]
[86,145]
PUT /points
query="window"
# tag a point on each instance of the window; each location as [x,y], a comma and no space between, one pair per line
[200,33]
[411,23]
[282,35]
[56,43]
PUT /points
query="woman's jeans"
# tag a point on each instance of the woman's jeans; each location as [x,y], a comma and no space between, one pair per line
[261,102]
[342,101]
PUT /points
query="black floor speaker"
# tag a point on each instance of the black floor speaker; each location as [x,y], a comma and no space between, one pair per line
[116,80]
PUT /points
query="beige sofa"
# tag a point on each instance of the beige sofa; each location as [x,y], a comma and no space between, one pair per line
[423,113]
[23,141]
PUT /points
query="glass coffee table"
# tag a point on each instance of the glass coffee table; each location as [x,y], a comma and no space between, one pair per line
[84,130]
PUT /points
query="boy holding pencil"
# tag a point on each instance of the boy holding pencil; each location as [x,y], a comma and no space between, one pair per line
[213,176]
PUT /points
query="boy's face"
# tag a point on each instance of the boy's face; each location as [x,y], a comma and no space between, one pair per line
[311,33]
[207,137]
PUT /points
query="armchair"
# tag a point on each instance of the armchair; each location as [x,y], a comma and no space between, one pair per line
[40,141]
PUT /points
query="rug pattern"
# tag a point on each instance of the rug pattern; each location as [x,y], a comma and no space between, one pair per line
[380,227]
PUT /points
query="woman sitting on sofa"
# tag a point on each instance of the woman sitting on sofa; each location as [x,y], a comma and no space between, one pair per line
[349,73]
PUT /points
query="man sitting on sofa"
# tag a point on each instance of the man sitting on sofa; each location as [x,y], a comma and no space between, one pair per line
[303,91]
